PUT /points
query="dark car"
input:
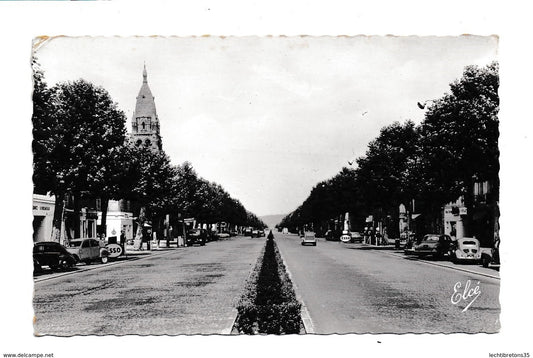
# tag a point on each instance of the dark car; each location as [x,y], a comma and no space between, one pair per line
[212,235]
[196,237]
[53,255]
[248,231]
[332,235]
[435,245]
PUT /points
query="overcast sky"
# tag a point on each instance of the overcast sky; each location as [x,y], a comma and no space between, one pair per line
[268,118]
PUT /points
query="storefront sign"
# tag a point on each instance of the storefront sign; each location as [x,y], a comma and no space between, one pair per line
[42,210]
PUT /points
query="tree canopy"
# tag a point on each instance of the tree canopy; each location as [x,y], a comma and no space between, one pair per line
[437,161]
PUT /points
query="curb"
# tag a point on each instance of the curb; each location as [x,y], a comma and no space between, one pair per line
[448,267]
[304,313]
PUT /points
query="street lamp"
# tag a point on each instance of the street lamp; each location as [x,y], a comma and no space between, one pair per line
[423,104]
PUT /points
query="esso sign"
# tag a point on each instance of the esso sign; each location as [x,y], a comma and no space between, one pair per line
[114,250]
[346,238]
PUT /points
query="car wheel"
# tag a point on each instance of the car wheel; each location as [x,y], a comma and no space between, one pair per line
[87,262]
[104,259]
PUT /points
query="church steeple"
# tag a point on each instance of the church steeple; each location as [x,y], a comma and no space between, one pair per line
[145,75]
[145,123]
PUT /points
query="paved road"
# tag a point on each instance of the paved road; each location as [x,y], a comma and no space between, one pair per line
[180,291]
[348,288]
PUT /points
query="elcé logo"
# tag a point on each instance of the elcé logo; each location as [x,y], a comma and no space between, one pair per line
[468,294]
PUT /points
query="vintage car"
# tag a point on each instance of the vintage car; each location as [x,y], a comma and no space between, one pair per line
[309,238]
[435,245]
[467,250]
[356,237]
[258,233]
[196,237]
[332,235]
[53,255]
[88,250]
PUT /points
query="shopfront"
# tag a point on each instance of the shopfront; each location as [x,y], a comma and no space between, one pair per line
[43,216]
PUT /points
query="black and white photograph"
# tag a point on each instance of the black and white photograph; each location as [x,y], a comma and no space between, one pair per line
[278,185]
[279,190]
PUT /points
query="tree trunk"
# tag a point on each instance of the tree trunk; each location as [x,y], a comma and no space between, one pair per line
[59,208]
[103,221]
[468,197]
[77,211]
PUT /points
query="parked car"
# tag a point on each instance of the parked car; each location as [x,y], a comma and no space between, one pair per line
[434,245]
[467,250]
[356,237]
[258,233]
[224,235]
[88,250]
[196,237]
[346,237]
[214,236]
[309,238]
[248,232]
[331,235]
[53,255]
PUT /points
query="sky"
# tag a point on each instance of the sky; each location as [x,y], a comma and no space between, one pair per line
[269,117]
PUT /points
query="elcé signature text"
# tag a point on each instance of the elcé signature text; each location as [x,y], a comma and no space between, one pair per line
[467,293]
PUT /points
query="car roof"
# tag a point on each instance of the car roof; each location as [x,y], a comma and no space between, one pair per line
[463,239]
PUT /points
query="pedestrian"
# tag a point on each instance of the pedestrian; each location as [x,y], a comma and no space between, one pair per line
[123,240]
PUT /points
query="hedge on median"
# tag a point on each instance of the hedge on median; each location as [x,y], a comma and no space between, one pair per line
[269,304]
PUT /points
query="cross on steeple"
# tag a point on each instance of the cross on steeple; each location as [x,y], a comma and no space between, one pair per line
[145,75]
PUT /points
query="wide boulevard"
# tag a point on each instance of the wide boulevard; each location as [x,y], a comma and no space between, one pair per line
[352,288]
[190,290]
[344,288]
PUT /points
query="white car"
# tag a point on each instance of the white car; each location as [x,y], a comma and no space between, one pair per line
[309,239]
[88,250]
[467,250]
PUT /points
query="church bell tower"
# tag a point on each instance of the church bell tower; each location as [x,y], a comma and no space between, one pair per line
[145,123]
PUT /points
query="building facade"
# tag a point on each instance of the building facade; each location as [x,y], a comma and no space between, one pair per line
[43,217]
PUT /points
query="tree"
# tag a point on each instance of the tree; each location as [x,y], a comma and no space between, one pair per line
[74,135]
[388,174]
[460,137]
[153,184]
